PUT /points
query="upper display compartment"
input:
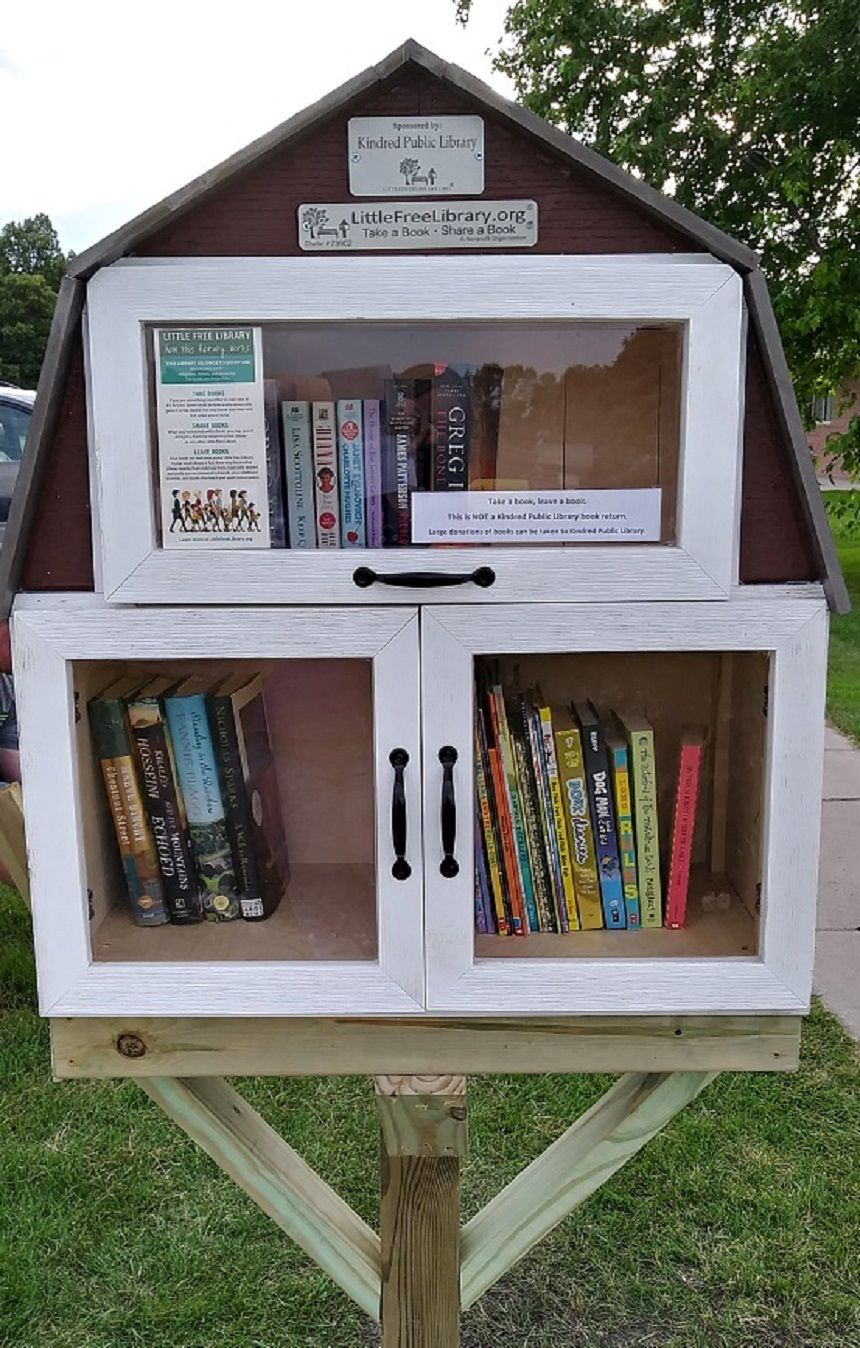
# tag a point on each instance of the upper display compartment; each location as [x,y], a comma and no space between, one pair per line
[306,430]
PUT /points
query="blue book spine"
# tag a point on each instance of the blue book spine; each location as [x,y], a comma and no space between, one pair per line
[482,885]
[197,770]
[350,444]
[624,825]
[299,474]
[603,819]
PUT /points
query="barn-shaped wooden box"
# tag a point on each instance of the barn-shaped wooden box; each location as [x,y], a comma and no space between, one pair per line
[581,477]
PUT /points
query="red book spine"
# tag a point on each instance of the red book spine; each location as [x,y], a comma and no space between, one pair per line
[683,826]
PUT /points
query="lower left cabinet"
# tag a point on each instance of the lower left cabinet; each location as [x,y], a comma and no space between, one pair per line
[325,706]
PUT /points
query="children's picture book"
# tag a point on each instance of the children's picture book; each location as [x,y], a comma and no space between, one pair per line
[683,825]
[574,789]
[616,746]
[350,443]
[643,770]
[602,814]
[326,475]
[299,474]
[212,442]
[501,735]
[197,771]
[134,838]
[488,834]
[558,820]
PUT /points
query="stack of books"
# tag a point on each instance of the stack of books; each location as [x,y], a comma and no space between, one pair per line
[567,836]
[192,790]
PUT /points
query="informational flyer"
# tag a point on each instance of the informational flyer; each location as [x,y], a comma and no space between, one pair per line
[599,516]
[211,437]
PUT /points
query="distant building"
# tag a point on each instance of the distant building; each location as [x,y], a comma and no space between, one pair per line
[832,418]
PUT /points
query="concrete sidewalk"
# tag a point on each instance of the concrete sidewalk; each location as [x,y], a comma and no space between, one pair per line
[837,945]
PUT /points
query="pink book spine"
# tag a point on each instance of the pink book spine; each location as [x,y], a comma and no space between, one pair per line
[684,823]
[373,472]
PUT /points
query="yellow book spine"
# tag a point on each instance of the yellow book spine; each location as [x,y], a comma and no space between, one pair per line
[490,842]
[565,861]
[579,832]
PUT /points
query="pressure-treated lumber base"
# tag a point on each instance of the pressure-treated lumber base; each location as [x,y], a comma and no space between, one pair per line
[418,1273]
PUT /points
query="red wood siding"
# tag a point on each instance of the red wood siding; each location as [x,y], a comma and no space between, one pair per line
[59,553]
[256,216]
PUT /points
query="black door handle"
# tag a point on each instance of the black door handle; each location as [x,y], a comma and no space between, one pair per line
[483,577]
[401,870]
[449,866]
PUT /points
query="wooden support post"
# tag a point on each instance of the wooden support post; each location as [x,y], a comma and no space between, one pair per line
[13,844]
[423,1124]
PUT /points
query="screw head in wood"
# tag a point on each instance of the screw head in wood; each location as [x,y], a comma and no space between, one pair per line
[130,1045]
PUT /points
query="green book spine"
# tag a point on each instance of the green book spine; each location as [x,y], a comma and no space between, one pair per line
[133,834]
[647,837]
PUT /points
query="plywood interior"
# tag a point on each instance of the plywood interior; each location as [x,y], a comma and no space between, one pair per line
[320,719]
[725,695]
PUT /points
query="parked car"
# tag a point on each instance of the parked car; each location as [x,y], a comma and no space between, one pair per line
[16,408]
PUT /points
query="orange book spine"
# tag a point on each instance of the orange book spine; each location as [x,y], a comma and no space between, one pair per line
[515,893]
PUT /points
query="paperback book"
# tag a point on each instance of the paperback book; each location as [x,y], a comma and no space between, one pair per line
[602,815]
[326,475]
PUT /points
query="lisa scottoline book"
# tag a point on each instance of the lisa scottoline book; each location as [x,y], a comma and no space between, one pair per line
[326,475]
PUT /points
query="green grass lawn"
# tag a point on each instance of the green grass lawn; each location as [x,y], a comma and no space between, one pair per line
[843,677]
[736,1228]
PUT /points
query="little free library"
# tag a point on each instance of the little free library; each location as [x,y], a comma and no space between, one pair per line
[419,591]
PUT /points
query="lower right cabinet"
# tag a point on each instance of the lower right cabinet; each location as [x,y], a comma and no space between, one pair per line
[622,805]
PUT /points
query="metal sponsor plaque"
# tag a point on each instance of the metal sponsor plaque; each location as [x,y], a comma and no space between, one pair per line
[415,156]
[419,225]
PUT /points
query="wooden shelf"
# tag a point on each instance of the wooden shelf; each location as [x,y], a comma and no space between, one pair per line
[730,931]
[329,913]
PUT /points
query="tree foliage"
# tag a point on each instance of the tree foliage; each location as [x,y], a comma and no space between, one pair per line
[32,264]
[26,309]
[746,111]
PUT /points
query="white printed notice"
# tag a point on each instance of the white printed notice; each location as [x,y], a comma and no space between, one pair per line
[211,437]
[600,516]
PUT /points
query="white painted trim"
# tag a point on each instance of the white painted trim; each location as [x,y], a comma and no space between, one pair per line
[45,643]
[794,628]
[707,299]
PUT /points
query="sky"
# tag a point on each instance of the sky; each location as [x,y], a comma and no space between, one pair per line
[106,108]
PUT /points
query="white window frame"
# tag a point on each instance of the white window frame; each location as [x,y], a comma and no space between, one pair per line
[778,979]
[696,290]
[51,635]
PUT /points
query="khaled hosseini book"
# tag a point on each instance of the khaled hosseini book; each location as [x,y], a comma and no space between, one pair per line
[684,825]
[643,770]
[602,815]
[197,773]
[112,745]
[162,797]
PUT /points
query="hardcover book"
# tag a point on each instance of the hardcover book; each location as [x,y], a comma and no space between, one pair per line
[616,746]
[261,785]
[197,772]
[133,833]
[274,477]
[602,815]
[640,738]
[578,820]
[400,461]
[373,471]
[299,474]
[260,890]
[163,801]
[350,443]
[326,475]
[451,430]
[683,825]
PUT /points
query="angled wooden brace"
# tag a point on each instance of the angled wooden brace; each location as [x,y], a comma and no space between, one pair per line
[568,1172]
[274,1175]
